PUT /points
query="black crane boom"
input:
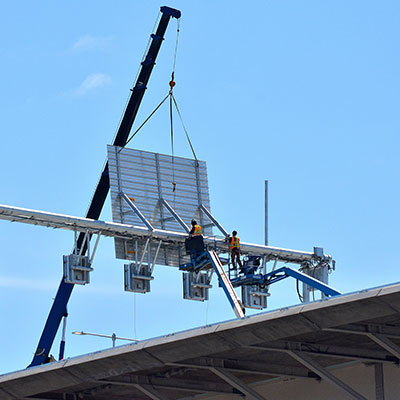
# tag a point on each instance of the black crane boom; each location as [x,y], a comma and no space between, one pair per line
[59,307]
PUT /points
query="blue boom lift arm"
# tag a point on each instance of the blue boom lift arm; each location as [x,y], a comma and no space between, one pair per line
[203,259]
[59,307]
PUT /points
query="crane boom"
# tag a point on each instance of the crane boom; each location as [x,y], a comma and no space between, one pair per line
[131,110]
[59,307]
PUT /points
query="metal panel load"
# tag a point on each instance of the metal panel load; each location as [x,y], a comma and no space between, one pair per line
[160,192]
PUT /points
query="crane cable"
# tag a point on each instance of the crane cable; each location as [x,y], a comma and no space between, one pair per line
[172,140]
[171,85]
[184,128]
[172,102]
[143,123]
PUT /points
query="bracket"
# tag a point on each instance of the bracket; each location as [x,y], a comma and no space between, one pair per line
[132,206]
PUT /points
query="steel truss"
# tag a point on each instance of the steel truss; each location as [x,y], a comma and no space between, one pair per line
[174,239]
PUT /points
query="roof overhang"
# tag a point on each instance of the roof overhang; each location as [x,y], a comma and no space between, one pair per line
[302,341]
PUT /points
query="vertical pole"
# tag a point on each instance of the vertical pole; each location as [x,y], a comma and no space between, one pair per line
[75,243]
[266,213]
[379,382]
[134,293]
[113,338]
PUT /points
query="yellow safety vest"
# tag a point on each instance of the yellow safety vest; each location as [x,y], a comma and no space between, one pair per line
[197,230]
[235,242]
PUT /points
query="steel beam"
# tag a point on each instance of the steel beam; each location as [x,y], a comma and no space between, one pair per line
[150,392]
[35,217]
[175,215]
[326,350]
[324,374]
[184,385]
[379,382]
[248,367]
[266,215]
[385,343]
[214,220]
[132,206]
[237,384]
[358,329]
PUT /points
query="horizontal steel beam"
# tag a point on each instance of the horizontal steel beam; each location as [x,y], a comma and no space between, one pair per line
[326,350]
[359,329]
[248,367]
[112,229]
[186,385]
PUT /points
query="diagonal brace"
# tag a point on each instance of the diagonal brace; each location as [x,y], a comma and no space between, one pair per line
[137,211]
[149,391]
[211,217]
[386,343]
[175,215]
[237,383]
[323,373]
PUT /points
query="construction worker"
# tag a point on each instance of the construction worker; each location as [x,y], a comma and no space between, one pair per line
[234,248]
[196,229]
[194,244]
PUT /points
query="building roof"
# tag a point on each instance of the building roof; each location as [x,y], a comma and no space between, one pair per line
[299,342]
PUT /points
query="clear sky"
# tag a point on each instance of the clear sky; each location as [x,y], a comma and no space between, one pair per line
[302,93]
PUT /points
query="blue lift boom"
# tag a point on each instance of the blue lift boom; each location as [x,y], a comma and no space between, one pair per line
[59,307]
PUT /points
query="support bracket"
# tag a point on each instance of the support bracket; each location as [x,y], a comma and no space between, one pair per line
[132,206]
[212,218]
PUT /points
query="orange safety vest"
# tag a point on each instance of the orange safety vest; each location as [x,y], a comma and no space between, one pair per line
[235,242]
[197,230]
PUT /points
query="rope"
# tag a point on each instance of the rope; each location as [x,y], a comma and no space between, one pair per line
[176,43]
[172,101]
[171,85]
[184,128]
[141,126]
[172,140]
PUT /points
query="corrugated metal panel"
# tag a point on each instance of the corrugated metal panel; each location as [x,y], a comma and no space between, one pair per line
[147,177]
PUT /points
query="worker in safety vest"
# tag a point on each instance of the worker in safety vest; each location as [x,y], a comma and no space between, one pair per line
[234,248]
[196,229]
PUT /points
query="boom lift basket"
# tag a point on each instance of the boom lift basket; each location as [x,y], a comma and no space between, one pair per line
[194,244]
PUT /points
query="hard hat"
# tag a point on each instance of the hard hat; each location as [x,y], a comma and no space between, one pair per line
[194,222]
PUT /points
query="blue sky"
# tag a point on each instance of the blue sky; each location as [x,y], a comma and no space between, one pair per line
[302,93]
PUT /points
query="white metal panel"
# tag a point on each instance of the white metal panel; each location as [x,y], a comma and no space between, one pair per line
[146,178]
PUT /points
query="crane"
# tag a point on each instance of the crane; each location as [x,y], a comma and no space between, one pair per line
[58,310]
